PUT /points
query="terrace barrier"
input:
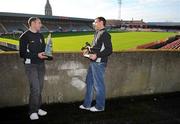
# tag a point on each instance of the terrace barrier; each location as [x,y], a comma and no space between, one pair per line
[128,73]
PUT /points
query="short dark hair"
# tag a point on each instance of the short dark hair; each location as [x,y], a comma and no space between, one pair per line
[102,19]
[32,19]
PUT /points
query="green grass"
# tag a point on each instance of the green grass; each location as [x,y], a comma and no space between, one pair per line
[121,41]
[128,40]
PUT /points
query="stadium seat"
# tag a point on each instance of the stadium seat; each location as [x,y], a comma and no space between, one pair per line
[173,45]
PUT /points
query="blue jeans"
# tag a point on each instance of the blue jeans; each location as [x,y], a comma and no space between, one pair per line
[95,81]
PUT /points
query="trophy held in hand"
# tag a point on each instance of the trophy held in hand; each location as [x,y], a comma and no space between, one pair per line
[86,50]
[48,49]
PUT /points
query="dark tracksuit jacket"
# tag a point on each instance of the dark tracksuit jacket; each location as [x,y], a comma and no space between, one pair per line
[30,45]
[102,45]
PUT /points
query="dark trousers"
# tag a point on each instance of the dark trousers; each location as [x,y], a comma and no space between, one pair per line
[35,74]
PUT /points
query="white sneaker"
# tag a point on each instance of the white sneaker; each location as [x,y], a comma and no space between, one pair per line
[34,116]
[42,112]
[84,108]
[94,109]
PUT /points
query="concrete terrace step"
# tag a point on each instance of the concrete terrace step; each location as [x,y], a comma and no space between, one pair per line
[8,47]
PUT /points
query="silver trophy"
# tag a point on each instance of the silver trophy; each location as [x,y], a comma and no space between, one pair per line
[48,49]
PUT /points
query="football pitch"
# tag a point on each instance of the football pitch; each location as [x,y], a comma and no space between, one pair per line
[69,42]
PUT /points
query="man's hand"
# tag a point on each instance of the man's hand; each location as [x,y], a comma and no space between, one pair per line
[42,55]
[89,48]
[93,56]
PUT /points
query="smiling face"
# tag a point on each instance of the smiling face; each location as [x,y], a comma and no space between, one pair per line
[36,25]
[98,24]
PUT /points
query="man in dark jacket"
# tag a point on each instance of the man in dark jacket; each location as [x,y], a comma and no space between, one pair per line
[32,46]
[101,48]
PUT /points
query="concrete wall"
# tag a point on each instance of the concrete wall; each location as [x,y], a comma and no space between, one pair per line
[128,73]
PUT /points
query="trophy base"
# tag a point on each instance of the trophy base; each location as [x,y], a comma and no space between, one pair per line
[49,58]
[87,55]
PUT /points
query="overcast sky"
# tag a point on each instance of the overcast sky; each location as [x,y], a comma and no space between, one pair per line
[149,10]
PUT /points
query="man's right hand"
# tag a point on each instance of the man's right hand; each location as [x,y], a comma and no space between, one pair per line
[42,55]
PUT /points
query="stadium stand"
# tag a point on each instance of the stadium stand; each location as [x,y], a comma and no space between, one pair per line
[1,28]
[14,26]
[140,25]
[17,22]
[166,26]
[55,27]
[170,43]
[10,22]
[126,23]
[173,45]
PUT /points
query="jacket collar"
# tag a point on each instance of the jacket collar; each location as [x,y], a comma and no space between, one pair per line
[101,29]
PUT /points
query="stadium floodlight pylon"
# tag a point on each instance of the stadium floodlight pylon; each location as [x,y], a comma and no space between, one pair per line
[119,11]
